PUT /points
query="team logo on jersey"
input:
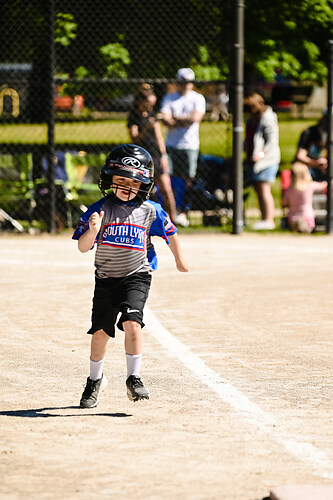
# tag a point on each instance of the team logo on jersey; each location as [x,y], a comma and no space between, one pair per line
[168,225]
[128,236]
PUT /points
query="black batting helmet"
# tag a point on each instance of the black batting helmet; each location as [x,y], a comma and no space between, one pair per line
[134,162]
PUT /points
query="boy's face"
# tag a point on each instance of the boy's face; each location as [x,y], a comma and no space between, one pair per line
[124,188]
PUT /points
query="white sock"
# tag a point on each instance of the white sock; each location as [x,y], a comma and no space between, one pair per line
[133,362]
[96,369]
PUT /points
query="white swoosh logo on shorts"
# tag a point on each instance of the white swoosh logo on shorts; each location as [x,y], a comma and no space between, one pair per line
[132,310]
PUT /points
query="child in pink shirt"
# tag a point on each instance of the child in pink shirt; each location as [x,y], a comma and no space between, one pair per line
[298,198]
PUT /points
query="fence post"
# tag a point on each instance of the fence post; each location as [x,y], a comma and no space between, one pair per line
[238,129]
[329,139]
[50,14]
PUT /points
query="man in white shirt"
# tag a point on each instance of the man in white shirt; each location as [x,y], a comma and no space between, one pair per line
[182,112]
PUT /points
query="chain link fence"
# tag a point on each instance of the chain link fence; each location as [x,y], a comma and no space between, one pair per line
[69,71]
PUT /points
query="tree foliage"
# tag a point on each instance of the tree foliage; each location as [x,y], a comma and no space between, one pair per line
[65,29]
[288,37]
[117,58]
[141,38]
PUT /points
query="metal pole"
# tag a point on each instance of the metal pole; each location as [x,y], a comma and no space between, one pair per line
[50,117]
[238,130]
[329,224]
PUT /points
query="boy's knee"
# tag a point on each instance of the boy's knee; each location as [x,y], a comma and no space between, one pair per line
[131,325]
[132,328]
[100,337]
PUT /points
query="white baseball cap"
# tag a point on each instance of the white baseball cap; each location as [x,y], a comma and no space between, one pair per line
[185,74]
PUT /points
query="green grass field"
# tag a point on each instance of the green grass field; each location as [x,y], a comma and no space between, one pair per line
[215,137]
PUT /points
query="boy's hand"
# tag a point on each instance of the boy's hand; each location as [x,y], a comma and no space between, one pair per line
[95,220]
[177,253]
[182,266]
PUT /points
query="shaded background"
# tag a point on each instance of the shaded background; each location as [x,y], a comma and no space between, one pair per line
[102,51]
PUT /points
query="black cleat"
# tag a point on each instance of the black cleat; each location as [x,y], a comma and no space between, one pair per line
[135,389]
[89,398]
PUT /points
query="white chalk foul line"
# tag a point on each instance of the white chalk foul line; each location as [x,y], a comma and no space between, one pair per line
[305,452]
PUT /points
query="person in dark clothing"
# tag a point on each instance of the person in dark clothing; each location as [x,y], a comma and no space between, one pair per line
[312,149]
[145,130]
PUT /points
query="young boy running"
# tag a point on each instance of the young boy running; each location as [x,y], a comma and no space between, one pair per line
[121,224]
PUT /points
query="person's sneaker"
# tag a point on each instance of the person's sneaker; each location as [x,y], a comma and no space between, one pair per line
[89,398]
[135,388]
[264,225]
[182,220]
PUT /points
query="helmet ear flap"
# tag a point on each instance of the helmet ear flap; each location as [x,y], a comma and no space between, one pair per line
[103,187]
[105,181]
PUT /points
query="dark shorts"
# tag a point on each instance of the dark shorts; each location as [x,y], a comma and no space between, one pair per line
[317,175]
[112,296]
[183,162]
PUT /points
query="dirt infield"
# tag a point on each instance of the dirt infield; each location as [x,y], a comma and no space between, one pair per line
[237,358]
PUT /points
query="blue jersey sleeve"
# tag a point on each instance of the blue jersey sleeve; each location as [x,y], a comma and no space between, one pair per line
[162,225]
[83,224]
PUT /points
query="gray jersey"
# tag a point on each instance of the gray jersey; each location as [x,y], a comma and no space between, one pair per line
[124,242]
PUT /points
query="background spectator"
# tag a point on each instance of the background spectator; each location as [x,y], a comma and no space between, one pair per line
[220,105]
[145,131]
[312,148]
[262,155]
[298,198]
[182,112]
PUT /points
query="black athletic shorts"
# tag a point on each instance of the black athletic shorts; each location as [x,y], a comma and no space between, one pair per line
[112,296]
